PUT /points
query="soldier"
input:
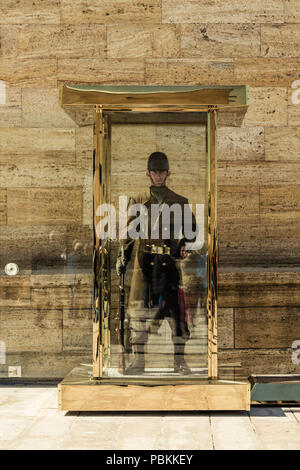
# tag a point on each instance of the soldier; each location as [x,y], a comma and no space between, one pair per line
[156,278]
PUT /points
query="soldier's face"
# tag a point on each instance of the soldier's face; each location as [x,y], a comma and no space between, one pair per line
[158,177]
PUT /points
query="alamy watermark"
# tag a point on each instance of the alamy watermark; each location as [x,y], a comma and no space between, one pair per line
[159,221]
[296,93]
[2,92]
[296,352]
[2,353]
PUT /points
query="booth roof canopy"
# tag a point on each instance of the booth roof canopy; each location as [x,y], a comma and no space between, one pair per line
[145,96]
[143,88]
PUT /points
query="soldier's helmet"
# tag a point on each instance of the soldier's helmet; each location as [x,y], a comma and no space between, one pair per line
[158,161]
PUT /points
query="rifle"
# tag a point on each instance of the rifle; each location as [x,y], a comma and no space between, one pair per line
[121,315]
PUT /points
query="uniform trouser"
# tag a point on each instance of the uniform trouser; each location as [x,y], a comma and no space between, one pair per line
[151,320]
[161,281]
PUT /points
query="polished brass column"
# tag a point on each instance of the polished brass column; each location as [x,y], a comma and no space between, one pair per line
[212,244]
[97,327]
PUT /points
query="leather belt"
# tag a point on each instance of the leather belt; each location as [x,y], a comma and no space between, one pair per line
[157,250]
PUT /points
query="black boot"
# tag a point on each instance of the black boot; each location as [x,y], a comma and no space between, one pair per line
[180,366]
[138,364]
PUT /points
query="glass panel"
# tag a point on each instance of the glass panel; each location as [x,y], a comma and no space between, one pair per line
[46,246]
[158,279]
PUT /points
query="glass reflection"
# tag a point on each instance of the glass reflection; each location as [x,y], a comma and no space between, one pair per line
[158,321]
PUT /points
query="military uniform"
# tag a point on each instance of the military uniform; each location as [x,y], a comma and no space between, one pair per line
[156,277]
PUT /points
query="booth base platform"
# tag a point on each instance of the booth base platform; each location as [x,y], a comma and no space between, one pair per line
[80,392]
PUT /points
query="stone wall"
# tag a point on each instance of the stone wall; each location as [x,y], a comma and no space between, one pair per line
[46,174]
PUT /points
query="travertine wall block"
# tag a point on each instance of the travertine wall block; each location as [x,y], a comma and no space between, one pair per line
[195,71]
[104,71]
[241,143]
[291,11]
[265,71]
[280,203]
[260,328]
[11,110]
[225,328]
[40,108]
[28,12]
[282,143]
[35,206]
[220,40]
[143,41]
[232,11]
[238,203]
[53,41]
[269,106]
[280,40]
[111,12]
[3,206]
[29,72]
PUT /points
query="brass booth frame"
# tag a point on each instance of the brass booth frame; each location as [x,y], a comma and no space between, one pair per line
[102,100]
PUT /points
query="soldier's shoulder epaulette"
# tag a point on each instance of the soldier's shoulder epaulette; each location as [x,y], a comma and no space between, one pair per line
[176,198]
[139,199]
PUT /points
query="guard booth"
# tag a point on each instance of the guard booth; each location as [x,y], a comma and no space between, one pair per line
[176,371]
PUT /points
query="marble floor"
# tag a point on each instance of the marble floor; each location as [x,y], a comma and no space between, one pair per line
[29,419]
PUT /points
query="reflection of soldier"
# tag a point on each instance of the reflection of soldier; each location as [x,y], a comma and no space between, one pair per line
[155,283]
